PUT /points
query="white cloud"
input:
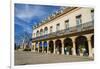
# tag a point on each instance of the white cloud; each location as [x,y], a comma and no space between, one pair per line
[26,28]
[29,12]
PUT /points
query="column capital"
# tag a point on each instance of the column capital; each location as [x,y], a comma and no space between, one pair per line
[74,47]
[73,38]
[62,38]
[54,40]
[88,36]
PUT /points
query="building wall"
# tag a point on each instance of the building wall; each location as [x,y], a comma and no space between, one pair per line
[71,16]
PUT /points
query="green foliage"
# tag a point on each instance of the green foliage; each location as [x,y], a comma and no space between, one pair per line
[69,48]
[81,47]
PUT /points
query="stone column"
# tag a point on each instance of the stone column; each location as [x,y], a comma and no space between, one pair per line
[62,41]
[89,45]
[33,47]
[90,48]
[74,47]
[47,46]
[54,51]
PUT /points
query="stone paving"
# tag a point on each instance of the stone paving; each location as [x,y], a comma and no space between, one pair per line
[26,58]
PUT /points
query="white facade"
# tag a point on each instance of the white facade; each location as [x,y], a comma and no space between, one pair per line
[72,29]
[85,13]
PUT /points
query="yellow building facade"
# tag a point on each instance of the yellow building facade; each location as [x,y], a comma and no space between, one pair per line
[68,32]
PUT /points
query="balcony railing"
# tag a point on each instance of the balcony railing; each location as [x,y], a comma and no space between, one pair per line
[70,30]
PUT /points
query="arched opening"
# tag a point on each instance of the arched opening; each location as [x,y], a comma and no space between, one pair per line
[82,46]
[45,30]
[92,41]
[58,46]
[40,47]
[41,32]
[51,46]
[45,46]
[92,44]
[37,33]
[68,46]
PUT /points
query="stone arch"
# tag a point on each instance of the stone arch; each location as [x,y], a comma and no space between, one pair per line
[51,46]
[68,44]
[81,45]
[58,46]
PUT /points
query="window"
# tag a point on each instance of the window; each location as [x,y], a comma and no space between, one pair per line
[57,27]
[67,24]
[41,32]
[37,33]
[45,30]
[51,29]
[78,20]
[92,14]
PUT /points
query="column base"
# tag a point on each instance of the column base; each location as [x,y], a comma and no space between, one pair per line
[91,55]
[48,51]
[32,50]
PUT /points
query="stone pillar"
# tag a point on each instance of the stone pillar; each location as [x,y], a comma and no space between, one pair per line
[90,48]
[47,46]
[62,41]
[54,51]
[74,47]
[33,47]
[89,45]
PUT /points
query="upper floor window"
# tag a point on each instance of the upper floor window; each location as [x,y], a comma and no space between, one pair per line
[78,20]
[57,27]
[51,29]
[67,24]
[41,32]
[45,30]
[37,33]
[92,14]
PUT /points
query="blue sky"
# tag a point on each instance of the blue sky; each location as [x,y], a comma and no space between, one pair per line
[27,15]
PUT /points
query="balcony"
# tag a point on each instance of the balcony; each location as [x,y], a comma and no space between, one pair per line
[75,29]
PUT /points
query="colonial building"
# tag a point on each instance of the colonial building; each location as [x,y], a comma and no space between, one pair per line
[69,31]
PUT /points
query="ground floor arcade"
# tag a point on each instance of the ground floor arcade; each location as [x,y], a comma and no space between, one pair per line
[82,45]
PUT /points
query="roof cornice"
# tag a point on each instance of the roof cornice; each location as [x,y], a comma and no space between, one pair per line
[51,18]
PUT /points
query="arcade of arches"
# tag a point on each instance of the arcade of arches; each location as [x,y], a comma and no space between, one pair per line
[80,45]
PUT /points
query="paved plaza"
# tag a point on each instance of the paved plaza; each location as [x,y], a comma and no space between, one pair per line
[26,58]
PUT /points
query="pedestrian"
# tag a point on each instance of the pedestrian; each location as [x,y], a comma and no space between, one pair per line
[65,50]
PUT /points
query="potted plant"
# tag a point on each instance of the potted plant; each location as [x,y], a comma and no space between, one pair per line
[81,49]
[68,49]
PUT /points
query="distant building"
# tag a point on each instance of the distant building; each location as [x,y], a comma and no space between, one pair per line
[71,28]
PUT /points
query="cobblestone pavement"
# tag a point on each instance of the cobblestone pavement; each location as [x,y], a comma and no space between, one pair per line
[26,58]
